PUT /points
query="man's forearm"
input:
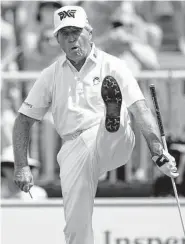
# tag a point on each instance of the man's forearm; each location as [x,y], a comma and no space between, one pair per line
[150,132]
[21,134]
[148,126]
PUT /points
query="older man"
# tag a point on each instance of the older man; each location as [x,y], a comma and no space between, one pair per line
[90,93]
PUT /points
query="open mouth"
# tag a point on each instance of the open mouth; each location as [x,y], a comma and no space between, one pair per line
[74,48]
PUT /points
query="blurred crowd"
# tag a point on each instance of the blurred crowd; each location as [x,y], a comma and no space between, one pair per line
[137,31]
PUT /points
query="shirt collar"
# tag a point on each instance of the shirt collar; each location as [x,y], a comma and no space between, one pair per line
[92,56]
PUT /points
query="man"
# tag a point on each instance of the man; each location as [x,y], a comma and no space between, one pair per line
[78,89]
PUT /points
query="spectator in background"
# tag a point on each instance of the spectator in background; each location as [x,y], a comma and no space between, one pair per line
[40,46]
[8,41]
[179,21]
[156,11]
[47,44]
[8,116]
[129,39]
[99,14]
[9,190]
[10,101]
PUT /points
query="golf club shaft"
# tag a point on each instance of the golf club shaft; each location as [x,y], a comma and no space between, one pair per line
[30,194]
[161,129]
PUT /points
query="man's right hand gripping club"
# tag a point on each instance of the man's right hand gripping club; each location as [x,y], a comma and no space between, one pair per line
[23,178]
[166,164]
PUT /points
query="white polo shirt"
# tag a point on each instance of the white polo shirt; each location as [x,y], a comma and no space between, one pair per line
[75,97]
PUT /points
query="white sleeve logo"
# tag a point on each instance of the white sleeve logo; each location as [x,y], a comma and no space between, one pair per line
[28,105]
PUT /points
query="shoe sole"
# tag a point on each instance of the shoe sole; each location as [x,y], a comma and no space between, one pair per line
[111,94]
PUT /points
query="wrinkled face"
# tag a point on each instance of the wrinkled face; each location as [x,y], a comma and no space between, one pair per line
[75,42]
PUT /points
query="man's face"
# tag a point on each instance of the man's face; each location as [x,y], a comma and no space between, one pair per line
[75,42]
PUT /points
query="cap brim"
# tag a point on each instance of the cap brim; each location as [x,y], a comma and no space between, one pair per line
[79,25]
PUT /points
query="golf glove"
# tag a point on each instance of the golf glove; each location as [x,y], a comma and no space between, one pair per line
[166,164]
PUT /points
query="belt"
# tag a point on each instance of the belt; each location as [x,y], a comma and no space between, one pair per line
[72,136]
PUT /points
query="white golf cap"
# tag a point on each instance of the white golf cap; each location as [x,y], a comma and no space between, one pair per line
[69,16]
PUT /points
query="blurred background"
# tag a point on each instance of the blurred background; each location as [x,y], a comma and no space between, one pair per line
[148,35]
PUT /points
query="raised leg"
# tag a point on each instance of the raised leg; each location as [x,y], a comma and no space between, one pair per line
[115,138]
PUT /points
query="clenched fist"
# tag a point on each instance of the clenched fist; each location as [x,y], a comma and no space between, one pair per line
[166,164]
[23,178]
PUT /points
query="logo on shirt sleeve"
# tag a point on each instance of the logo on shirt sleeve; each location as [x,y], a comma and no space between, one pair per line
[28,105]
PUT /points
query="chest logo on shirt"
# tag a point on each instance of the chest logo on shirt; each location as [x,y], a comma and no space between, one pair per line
[96,81]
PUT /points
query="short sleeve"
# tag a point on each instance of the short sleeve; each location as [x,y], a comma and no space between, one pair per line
[131,91]
[39,98]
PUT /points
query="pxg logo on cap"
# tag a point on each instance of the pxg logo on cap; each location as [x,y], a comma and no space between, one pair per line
[69,13]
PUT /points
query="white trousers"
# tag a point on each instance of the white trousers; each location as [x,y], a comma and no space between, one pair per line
[82,161]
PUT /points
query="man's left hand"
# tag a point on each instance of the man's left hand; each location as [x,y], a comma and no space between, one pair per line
[166,164]
[23,178]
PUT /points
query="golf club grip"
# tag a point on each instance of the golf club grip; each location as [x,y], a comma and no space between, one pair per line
[156,106]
